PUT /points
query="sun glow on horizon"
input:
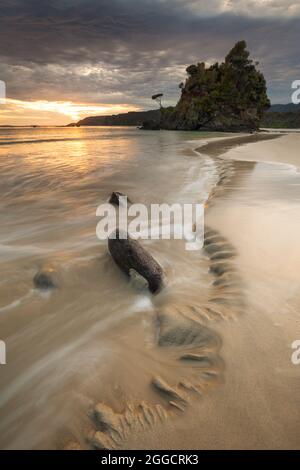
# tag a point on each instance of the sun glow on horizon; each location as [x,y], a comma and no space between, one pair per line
[51,109]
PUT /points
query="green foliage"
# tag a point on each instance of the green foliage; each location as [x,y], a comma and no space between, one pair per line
[227,96]
[285,120]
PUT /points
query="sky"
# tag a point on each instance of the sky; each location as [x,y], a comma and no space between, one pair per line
[62,60]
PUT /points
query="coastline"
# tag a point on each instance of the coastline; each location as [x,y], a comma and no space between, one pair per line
[238,146]
[254,407]
[216,147]
[257,407]
[204,364]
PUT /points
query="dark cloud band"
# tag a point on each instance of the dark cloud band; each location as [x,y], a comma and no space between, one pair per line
[121,51]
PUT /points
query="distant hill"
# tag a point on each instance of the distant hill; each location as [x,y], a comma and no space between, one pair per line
[284,108]
[278,116]
[283,120]
[282,116]
[133,118]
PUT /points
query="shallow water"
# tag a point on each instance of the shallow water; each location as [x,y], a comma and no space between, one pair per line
[52,181]
[96,338]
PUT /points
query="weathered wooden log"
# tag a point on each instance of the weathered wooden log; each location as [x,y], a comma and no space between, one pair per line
[129,254]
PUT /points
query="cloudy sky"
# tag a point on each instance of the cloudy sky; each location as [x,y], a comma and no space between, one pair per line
[65,59]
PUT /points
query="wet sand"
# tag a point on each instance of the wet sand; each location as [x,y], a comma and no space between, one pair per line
[254,403]
[257,209]
[204,364]
[249,397]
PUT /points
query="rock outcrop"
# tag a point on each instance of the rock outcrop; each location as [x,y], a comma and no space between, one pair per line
[229,97]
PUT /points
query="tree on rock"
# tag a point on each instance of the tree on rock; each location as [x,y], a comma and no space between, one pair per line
[231,96]
[158,98]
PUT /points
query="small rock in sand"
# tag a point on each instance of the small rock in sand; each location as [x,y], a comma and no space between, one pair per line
[45,279]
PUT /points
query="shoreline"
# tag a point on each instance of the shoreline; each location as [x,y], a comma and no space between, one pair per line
[238,146]
[175,370]
[217,147]
[245,411]
[233,415]
[256,350]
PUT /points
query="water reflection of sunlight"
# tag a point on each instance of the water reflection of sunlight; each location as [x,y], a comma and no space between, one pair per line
[58,152]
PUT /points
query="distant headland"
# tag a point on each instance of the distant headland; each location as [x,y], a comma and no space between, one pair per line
[278,116]
[132,118]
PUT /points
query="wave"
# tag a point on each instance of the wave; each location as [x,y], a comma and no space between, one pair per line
[38,141]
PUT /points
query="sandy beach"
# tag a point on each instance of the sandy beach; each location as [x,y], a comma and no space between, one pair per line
[257,407]
[255,402]
[206,363]
[149,237]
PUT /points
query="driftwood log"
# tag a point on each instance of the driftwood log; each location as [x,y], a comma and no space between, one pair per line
[115,198]
[129,255]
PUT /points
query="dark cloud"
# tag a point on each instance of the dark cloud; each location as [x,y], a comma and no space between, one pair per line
[120,51]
